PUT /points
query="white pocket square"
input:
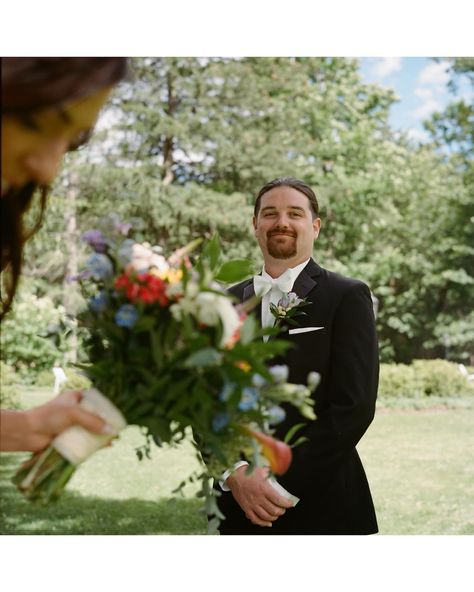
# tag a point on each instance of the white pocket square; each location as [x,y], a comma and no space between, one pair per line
[303,330]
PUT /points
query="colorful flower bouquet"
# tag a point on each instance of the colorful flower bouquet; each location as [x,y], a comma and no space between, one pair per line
[170,349]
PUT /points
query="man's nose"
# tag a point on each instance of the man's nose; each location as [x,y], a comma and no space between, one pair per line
[282,220]
[43,165]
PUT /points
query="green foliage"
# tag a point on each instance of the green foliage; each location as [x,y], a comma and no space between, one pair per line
[419,466]
[423,378]
[75,380]
[195,139]
[8,391]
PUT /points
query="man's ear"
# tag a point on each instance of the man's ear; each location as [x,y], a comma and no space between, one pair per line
[317,227]
[254,224]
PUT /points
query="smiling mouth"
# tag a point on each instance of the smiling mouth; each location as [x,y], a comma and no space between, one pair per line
[281,234]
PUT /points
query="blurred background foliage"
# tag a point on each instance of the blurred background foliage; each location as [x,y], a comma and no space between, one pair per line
[189,141]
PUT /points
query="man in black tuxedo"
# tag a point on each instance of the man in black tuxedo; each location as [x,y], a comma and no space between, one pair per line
[336,338]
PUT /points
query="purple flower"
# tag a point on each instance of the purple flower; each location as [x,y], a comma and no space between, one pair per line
[96,240]
[220,421]
[123,227]
[126,316]
[249,399]
[99,303]
[99,267]
[289,301]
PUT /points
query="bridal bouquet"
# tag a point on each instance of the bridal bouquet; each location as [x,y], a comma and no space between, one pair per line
[169,349]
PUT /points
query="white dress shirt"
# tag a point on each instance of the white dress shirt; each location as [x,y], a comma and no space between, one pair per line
[275,293]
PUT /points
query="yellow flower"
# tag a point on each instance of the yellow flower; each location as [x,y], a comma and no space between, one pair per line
[172,276]
[243,365]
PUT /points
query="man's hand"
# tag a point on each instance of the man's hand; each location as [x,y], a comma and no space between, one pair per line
[259,501]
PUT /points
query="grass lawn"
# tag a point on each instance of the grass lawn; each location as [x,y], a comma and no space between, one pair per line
[420,465]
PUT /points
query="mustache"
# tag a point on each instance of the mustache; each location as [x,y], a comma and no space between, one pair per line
[271,233]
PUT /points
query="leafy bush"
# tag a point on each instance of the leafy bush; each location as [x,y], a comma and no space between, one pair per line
[423,378]
[74,382]
[24,345]
[8,397]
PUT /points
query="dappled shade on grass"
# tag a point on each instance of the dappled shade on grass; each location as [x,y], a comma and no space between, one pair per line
[78,514]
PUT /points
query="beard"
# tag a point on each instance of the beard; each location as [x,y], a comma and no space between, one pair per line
[281,247]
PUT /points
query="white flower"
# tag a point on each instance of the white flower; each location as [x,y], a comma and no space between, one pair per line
[143,257]
[214,308]
[313,380]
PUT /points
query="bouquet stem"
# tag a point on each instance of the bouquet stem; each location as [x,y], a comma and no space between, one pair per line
[44,476]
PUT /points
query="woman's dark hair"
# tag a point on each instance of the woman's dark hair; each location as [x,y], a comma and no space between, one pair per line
[297,184]
[30,84]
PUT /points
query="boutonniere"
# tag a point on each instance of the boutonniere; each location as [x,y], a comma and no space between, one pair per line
[287,307]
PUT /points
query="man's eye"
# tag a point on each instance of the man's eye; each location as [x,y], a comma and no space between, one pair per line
[82,138]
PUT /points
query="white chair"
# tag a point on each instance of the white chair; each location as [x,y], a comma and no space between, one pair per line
[464,372]
[59,378]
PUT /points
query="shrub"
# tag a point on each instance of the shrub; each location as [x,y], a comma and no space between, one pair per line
[75,381]
[23,345]
[423,378]
[8,398]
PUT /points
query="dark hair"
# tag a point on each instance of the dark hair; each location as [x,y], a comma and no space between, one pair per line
[297,184]
[30,84]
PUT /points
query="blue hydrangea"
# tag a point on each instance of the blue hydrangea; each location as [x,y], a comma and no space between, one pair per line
[226,391]
[99,267]
[99,303]
[220,421]
[249,399]
[258,381]
[126,316]
[125,251]
[279,373]
[276,415]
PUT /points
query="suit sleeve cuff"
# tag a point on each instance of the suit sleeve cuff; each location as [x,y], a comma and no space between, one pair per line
[226,474]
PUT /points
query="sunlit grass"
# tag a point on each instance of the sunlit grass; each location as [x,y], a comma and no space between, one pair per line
[420,465]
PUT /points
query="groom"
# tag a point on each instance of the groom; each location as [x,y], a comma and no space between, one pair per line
[336,338]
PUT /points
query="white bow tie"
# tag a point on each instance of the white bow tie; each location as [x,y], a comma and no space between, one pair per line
[262,285]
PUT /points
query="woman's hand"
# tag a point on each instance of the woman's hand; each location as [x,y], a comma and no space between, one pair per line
[34,429]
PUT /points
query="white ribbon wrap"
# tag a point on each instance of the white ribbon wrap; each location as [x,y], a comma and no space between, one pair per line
[76,443]
[283,492]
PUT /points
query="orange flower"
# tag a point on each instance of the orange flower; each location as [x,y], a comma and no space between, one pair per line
[278,453]
[243,365]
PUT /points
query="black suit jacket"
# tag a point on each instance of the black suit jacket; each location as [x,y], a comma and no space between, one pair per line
[326,472]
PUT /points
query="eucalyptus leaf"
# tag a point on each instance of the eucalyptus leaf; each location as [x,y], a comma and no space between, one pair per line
[235,271]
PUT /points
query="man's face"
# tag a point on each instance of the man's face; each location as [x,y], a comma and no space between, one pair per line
[284,227]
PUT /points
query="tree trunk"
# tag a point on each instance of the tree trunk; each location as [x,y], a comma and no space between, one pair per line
[70,246]
[168,175]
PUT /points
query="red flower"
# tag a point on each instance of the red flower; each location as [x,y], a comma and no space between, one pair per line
[122,282]
[145,288]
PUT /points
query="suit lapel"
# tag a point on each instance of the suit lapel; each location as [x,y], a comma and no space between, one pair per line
[306,281]
[249,292]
